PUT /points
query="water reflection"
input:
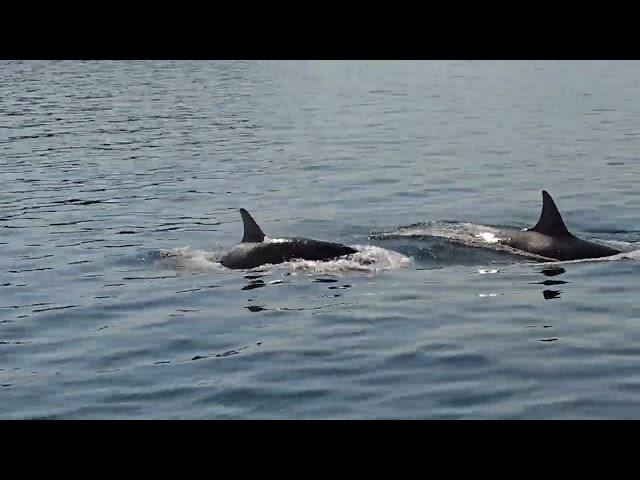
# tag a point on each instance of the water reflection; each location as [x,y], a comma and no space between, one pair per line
[552,282]
[552,271]
[551,294]
[254,284]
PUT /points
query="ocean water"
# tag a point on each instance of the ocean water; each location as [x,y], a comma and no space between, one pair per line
[121,184]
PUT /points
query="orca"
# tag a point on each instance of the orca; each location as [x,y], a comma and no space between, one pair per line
[257,249]
[550,237]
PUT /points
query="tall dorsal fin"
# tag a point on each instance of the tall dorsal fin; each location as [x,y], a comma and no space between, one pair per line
[550,222]
[252,232]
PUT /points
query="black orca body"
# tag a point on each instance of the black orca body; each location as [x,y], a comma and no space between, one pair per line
[256,249]
[550,237]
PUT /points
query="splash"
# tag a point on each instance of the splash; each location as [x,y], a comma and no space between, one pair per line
[368,259]
[191,259]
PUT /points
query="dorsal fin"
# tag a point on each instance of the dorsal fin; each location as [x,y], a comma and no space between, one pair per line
[550,222]
[252,232]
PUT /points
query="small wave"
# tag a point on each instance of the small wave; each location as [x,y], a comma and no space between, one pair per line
[468,233]
[619,244]
[631,255]
[465,234]
[474,235]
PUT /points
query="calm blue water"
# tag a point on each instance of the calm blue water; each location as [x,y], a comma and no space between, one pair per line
[120,187]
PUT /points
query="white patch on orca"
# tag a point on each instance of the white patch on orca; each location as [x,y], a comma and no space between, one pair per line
[276,240]
[484,272]
[488,237]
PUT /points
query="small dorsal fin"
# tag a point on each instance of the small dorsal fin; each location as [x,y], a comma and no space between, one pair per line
[550,222]
[252,232]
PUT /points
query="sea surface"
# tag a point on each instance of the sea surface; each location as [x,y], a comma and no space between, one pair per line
[121,184]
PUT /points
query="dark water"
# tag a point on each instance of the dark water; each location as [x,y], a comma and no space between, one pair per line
[121,184]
